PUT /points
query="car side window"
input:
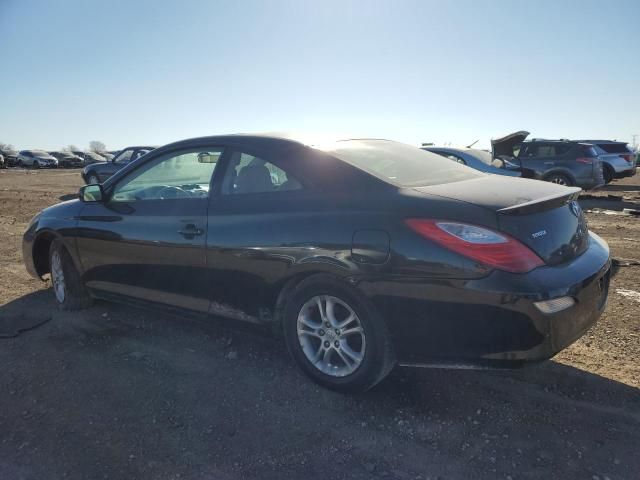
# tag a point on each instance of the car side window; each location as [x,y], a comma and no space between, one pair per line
[455,158]
[184,175]
[124,157]
[250,174]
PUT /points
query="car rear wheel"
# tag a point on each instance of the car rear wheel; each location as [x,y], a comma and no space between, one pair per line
[68,288]
[93,179]
[335,337]
[560,179]
[607,171]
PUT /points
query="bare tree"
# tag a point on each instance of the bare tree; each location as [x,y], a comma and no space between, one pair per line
[71,148]
[6,146]
[97,146]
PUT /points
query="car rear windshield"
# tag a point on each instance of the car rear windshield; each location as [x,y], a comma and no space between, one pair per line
[482,155]
[615,147]
[399,164]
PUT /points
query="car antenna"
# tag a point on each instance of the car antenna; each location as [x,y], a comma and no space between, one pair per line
[469,146]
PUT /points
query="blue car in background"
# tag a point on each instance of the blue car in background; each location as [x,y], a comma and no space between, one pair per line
[478,159]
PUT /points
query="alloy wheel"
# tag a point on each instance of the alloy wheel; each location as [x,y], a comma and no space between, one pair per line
[57,277]
[331,335]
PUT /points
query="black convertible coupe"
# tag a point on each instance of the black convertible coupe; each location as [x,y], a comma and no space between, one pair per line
[365,253]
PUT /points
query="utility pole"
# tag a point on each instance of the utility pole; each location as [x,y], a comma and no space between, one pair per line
[635,144]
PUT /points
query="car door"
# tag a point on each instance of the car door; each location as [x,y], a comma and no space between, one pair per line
[534,162]
[254,221]
[147,239]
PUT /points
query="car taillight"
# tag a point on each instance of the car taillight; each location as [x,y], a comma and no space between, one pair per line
[628,158]
[584,160]
[490,248]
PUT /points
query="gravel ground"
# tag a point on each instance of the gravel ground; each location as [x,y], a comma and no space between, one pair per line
[115,392]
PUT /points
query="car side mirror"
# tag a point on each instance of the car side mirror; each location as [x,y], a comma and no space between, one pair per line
[91,193]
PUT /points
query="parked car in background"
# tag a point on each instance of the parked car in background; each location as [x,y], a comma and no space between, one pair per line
[67,159]
[618,159]
[364,253]
[478,159]
[107,156]
[10,156]
[98,173]
[565,162]
[89,157]
[2,163]
[36,159]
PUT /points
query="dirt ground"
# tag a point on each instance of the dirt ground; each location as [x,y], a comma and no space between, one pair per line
[119,393]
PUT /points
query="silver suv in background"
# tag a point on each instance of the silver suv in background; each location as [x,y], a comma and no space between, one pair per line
[36,159]
[618,159]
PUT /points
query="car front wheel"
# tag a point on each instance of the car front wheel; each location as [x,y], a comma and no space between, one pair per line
[335,337]
[68,288]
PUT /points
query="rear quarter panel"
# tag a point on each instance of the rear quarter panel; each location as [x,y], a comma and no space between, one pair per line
[256,243]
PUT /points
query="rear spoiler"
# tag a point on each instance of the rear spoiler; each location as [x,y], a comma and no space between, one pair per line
[544,203]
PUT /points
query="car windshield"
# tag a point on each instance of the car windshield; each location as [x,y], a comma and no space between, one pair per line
[398,163]
[39,153]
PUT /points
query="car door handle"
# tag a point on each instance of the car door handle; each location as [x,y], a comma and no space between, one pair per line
[190,230]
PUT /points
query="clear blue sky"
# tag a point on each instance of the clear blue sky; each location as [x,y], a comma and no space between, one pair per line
[152,71]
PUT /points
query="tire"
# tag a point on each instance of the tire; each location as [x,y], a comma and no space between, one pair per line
[607,172]
[92,179]
[35,164]
[368,338]
[68,288]
[20,164]
[560,179]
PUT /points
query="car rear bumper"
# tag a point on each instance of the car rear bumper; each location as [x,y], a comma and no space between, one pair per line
[630,172]
[492,321]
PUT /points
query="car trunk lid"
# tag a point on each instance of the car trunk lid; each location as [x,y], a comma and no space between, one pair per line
[505,146]
[544,216]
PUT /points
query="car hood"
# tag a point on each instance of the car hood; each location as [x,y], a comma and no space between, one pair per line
[505,145]
[497,192]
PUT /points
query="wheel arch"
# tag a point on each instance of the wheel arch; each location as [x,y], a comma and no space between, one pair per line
[282,289]
[41,248]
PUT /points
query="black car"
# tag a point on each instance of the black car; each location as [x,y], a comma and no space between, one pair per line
[364,253]
[98,173]
[565,162]
[67,159]
[10,156]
